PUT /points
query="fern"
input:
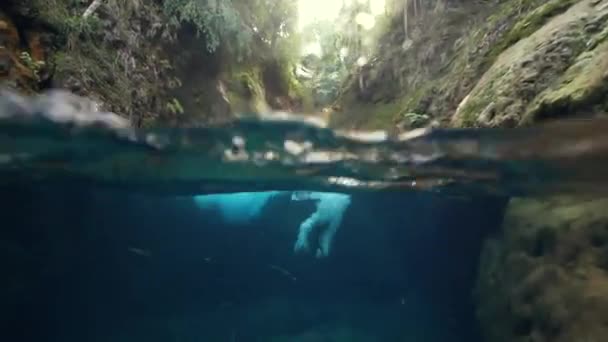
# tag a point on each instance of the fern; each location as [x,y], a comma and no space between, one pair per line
[175,107]
[218,21]
[33,65]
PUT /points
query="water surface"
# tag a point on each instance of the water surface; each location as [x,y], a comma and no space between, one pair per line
[59,137]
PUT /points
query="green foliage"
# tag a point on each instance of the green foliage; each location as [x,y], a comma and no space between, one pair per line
[65,16]
[343,42]
[78,25]
[30,63]
[243,28]
[50,12]
[98,70]
[245,90]
[417,120]
[217,20]
[175,107]
[329,69]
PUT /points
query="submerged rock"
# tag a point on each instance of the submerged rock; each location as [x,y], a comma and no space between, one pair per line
[544,277]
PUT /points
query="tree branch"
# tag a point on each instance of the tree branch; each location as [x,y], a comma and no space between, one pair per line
[92,8]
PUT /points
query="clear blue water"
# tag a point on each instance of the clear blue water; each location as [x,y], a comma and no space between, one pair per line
[102,240]
[105,265]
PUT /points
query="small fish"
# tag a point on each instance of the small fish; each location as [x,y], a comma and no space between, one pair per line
[140,252]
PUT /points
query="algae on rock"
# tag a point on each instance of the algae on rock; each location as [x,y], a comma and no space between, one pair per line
[481,64]
[544,277]
[247,94]
[581,90]
[526,80]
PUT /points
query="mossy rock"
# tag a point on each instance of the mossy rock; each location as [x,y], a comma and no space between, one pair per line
[582,87]
[544,276]
[527,25]
[246,92]
[370,116]
[508,94]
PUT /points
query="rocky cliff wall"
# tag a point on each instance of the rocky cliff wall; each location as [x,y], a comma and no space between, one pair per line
[544,277]
[508,63]
[500,63]
[135,61]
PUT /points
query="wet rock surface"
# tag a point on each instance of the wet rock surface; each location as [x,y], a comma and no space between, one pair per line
[544,276]
[551,73]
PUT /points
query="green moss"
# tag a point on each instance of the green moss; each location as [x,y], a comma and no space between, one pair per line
[416,119]
[289,83]
[581,87]
[479,101]
[250,81]
[382,116]
[412,100]
[368,116]
[80,53]
[597,40]
[308,100]
[62,16]
[536,19]
[470,60]
[527,25]
[468,117]
[97,69]
[245,90]
[50,12]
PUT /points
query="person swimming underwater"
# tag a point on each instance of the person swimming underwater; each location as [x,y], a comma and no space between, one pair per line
[324,222]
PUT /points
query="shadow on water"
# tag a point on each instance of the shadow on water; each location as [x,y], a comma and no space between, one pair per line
[102,265]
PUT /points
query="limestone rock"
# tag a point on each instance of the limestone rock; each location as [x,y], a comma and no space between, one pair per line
[558,68]
[545,278]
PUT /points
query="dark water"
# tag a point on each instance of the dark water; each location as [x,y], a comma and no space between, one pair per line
[403,267]
[102,241]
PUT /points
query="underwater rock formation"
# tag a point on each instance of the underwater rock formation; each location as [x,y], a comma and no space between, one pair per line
[544,277]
